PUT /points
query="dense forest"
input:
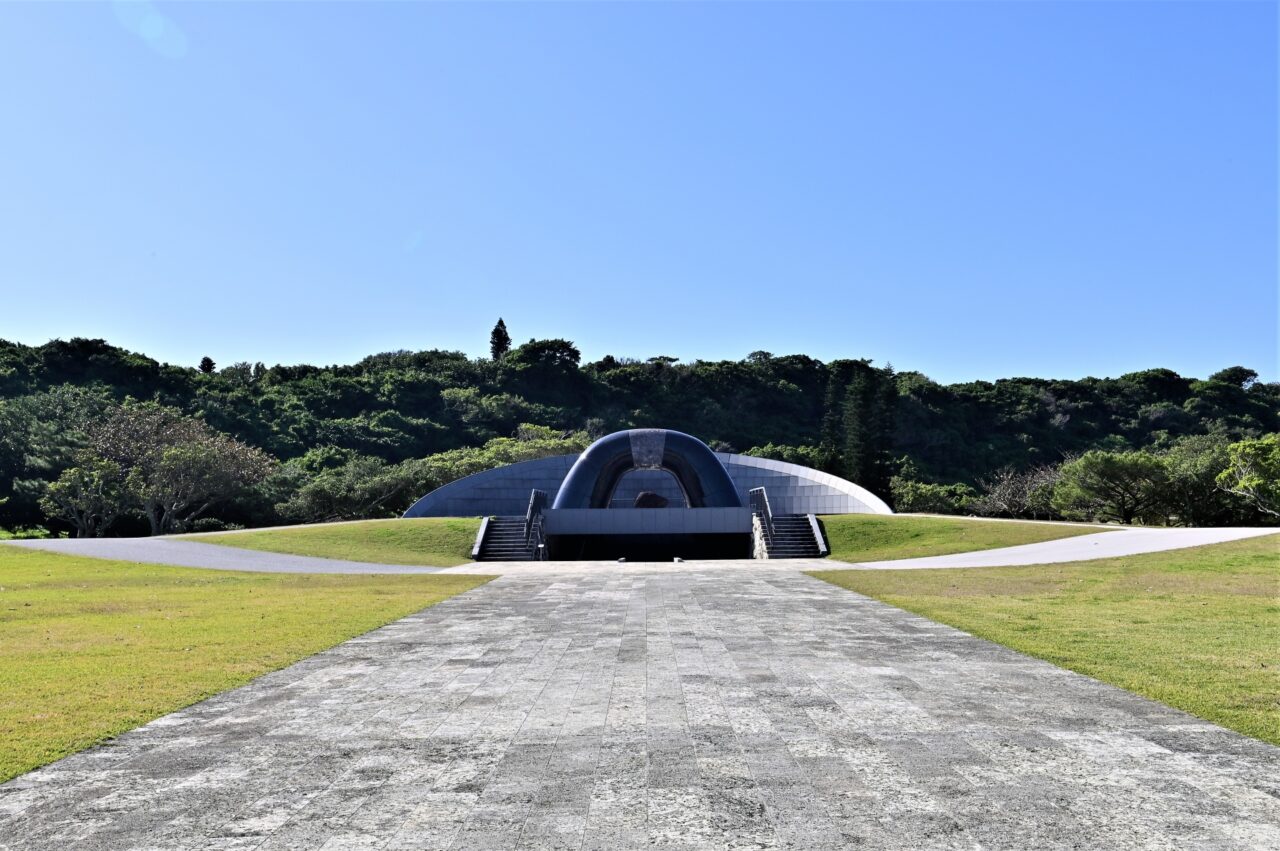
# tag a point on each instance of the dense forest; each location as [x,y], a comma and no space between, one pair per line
[312,443]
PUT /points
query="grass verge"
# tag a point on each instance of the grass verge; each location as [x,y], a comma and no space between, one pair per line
[1198,629]
[870,537]
[427,541]
[91,648]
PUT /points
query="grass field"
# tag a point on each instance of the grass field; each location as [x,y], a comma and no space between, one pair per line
[1198,629]
[91,648]
[428,541]
[870,537]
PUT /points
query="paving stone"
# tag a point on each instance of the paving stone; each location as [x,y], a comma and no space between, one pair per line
[644,706]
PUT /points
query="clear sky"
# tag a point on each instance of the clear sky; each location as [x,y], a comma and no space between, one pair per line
[972,190]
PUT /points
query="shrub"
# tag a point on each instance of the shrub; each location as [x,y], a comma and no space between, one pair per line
[929,498]
[212,524]
[805,456]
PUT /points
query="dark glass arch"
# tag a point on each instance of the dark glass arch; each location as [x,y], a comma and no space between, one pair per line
[594,477]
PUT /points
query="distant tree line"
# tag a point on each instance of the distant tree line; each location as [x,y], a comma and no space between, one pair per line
[95,439]
[1200,480]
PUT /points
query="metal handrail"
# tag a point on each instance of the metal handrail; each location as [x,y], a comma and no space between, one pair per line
[535,537]
[759,500]
[537,502]
[538,538]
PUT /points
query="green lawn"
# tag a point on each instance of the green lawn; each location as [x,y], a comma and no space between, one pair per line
[1198,629]
[91,648]
[871,537]
[429,541]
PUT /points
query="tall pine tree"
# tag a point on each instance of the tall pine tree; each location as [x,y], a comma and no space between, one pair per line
[499,340]
[858,421]
[858,424]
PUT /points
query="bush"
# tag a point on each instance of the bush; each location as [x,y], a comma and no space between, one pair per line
[805,456]
[25,532]
[928,498]
[212,524]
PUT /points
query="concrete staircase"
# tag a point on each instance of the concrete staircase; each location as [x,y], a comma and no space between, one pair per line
[792,538]
[504,541]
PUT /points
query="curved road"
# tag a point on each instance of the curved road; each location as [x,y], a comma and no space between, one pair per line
[213,556]
[1124,542]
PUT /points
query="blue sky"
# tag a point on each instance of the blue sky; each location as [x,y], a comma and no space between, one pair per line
[972,190]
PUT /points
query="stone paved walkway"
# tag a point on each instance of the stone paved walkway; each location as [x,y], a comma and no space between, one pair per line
[683,709]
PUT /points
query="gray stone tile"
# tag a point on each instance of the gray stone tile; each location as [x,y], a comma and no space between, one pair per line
[646,707]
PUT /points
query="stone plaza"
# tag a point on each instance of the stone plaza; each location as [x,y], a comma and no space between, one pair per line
[701,705]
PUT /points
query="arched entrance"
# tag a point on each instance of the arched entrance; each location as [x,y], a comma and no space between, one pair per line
[595,476]
[649,489]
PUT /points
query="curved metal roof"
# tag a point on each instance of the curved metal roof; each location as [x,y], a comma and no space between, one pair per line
[792,488]
[703,480]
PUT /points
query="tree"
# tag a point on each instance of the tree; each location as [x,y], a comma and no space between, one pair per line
[553,354]
[90,496]
[361,488]
[1193,464]
[177,467]
[404,406]
[183,482]
[40,436]
[858,424]
[1237,376]
[207,366]
[499,340]
[1102,485]
[1017,493]
[240,372]
[1253,473]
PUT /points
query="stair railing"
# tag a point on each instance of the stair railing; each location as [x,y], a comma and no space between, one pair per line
[759,501]
[475,549]
[817,535]
[534,536]
[538,538]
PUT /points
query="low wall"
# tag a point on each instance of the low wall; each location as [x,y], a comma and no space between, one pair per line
[647,521]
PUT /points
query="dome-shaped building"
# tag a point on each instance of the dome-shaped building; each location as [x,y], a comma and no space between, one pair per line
[687,500]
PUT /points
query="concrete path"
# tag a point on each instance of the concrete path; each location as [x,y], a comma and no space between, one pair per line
[660,706]
[215,556]
[1122,542]
[195,554]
